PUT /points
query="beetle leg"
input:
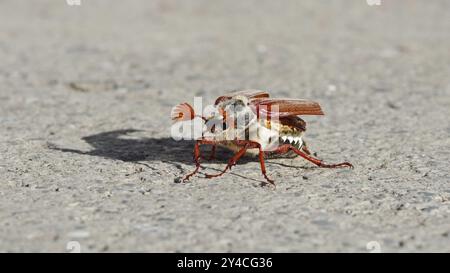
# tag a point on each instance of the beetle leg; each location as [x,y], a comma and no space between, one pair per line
[280,150]
[263,166]
[197,156]
[213,153]
[231,162]
[319,162]
[196,160]
[305,148]
[239,154]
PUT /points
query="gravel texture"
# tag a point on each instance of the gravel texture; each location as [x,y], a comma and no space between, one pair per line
[85,147]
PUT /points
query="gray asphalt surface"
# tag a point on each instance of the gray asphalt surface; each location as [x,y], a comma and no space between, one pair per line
[85,147]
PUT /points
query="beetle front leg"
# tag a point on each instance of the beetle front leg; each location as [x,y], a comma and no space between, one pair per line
[196,160]
[197,156]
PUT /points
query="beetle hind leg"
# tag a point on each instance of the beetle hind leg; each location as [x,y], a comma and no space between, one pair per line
[307,155]
[305,148]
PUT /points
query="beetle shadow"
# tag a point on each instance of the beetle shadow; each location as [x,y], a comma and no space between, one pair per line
[120,145]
